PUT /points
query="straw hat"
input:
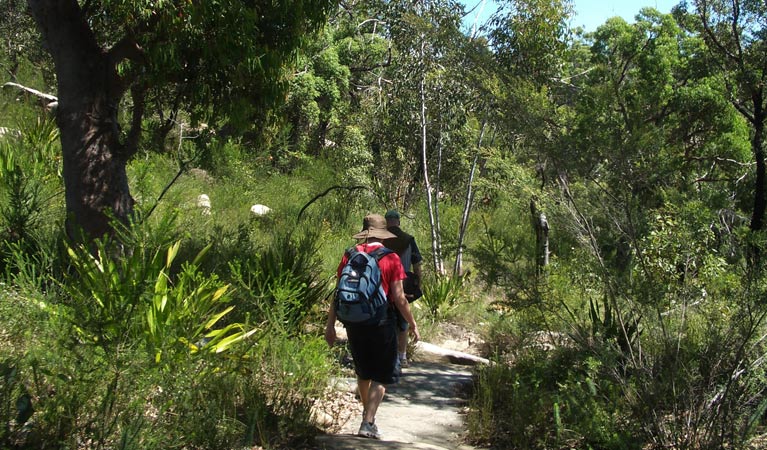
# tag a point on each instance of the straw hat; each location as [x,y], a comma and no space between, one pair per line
[374,226]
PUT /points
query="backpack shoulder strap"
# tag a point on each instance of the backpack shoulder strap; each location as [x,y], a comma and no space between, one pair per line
[351,252]
[377,254]
[381,252]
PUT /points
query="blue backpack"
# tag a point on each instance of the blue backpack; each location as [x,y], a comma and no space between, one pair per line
[360,298]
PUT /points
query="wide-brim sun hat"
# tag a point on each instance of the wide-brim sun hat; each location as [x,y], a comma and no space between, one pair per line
[374,226]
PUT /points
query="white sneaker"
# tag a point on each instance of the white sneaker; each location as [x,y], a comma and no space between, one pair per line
[369,430]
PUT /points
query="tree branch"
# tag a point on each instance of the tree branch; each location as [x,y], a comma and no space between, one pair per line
[386,63]
[138,93]
[52,100]
[327,191]
[709,33]
[375,23]
[180,172]
[708,179]
[719,159]
[183,166]
[743,110]
[126,48]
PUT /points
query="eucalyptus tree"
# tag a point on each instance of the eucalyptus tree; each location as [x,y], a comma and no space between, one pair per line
[422,106]
[476,75]
[530,41]
[364,51]
[411,95]
[226,56]
[629,117]
[529,38]
[735,32]
[317,97]
[364,45]
[664,154]
[651,151]
[650,122]
[443,88]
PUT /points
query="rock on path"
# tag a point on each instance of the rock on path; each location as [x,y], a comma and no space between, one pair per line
[422,411]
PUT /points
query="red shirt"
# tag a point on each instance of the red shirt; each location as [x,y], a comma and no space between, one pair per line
[390,265]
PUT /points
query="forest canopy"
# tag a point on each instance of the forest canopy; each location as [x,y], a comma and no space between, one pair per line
[592,203]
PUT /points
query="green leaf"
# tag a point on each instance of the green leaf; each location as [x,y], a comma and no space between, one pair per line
[202,254]
[220,292]
[229,341]
[172,252]
[151,320]
[218,317]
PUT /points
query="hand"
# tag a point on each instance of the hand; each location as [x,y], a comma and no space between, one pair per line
[414,333]
[330,335]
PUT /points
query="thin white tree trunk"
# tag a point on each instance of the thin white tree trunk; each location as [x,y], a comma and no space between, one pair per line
[458,268]
[438,189]
[541,227]
[439,267]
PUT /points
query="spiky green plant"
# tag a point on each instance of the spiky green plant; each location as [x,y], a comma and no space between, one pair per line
[442,295]
[282,284]
[135,296]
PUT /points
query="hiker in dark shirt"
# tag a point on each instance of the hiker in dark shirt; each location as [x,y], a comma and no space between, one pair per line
[374,348]
[404,245]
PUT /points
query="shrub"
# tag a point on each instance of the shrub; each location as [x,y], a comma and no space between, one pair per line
[137,356]
[442,295]
[281,285]
[660,344]
[29,174]
[546,399]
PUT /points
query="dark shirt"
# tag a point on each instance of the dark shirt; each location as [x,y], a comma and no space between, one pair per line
[404,245]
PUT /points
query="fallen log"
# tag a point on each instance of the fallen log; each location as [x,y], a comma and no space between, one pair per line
[430,352]
[433,352]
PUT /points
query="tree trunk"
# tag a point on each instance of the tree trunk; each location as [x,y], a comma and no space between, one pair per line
[95,179]
[458,269]
[439,266]
[760,199]
[437,188]
[757,146]
[541,227]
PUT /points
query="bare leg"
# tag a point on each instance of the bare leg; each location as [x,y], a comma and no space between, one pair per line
[363,386]
[375,396]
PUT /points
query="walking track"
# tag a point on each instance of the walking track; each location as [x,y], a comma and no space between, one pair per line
[422,411]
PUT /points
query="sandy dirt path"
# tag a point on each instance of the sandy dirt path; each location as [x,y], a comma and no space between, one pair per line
[423,411]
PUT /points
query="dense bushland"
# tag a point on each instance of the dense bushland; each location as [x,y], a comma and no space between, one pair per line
[591,203]
[665,350]
[198,330]
[155,345]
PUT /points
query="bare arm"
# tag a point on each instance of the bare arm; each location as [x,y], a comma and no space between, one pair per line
[417,272]
[398,297]
[330,326]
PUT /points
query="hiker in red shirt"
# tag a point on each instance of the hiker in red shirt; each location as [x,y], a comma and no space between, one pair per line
[374,347]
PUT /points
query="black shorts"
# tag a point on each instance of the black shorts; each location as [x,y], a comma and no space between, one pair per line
[374,350]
